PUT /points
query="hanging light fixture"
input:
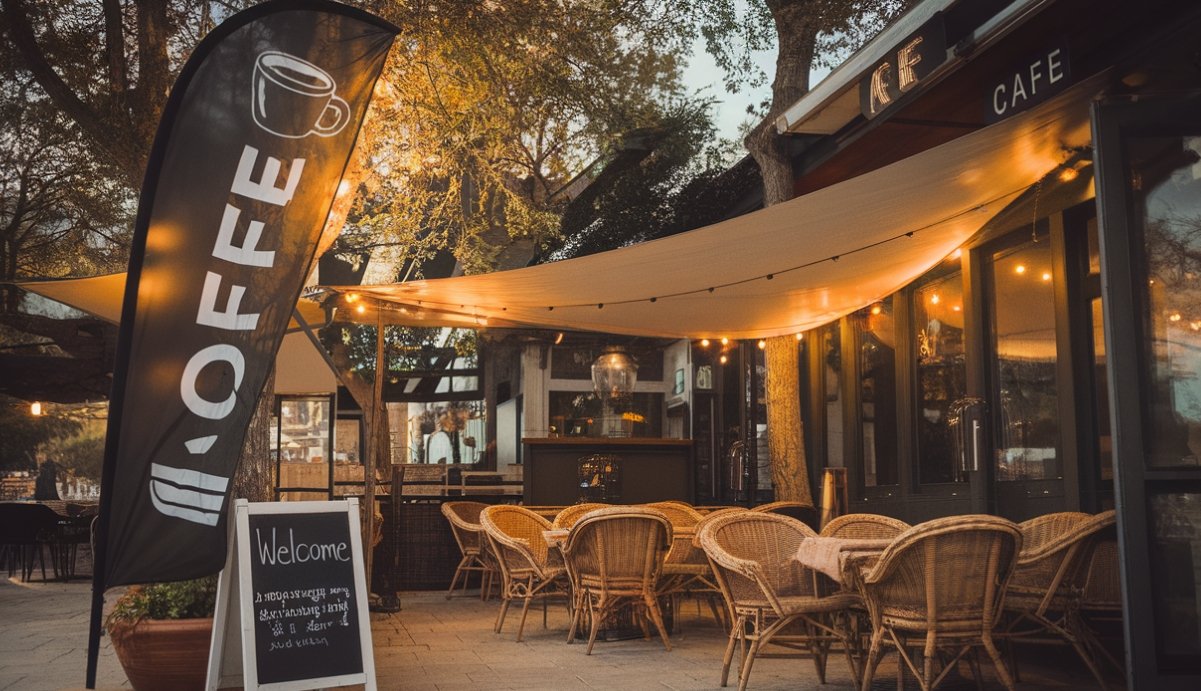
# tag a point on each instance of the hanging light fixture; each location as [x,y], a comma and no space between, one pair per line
[614,373]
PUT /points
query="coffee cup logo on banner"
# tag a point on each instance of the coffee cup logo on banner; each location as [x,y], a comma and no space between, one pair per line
[294,98]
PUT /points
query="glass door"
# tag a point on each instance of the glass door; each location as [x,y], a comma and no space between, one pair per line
[1149,208]
[1024,390]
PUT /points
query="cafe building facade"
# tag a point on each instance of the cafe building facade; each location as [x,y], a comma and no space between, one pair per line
[994,262]
[1053,361]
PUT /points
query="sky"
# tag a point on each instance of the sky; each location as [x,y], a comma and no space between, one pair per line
[703,75]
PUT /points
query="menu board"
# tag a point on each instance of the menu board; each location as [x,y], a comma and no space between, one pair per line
[305,618]
[296,571]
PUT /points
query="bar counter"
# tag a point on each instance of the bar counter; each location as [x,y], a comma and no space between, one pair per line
[651,469]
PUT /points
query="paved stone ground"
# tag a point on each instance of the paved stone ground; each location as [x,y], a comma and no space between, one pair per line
[446,645]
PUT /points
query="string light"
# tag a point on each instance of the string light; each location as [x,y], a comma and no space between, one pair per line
[360,309]
[35,409]
[877,308]
[1046,275]
[1019,269]
[800,336]
[723,359]
[762,344]
[725,341]
[704,343]
[981,208]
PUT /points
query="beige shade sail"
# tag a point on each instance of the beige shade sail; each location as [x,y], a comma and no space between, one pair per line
[102,297]
[767,273]
[785,269]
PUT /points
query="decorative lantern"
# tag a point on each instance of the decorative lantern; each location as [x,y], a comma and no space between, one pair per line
[614,374]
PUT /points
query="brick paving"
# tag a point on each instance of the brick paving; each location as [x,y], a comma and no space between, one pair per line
[446,645]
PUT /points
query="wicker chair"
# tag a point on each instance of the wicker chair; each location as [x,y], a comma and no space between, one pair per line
[616,555]
[793,509]
[864,526]
[568,517]
[529,569]
[686,570]
[1044,598]
[768,590]
[1101,602]
[944,580]
[464,518]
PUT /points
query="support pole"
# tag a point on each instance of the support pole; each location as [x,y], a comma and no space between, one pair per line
[377,444]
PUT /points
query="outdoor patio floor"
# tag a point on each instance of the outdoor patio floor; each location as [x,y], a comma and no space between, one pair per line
[434,643]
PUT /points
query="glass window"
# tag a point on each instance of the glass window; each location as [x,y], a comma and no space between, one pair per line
[876,336]
[582,414]
[303,446]
[1167,183]
[1176,558]
[445,432]
[1025,399]
[941,372]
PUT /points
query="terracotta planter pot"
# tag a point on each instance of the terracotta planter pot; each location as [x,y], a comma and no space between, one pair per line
[165,654]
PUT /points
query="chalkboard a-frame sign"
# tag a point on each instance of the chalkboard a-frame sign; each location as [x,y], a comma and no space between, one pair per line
[292,600]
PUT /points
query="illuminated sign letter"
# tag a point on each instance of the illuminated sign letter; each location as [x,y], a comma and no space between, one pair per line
[880,97]
[907,58]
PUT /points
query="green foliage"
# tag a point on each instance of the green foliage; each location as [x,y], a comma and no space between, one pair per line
[488,109]
[193,599]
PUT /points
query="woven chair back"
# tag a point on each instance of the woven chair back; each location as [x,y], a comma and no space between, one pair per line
[793,509]
[865,526]
[570,515]
[620,548]
[683,518]
[1103,586]
[945,572]
[464,519]
[752,555]
[517,538]
[1056,565]
[709,518]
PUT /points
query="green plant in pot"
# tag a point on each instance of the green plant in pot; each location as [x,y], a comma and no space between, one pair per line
[161,633]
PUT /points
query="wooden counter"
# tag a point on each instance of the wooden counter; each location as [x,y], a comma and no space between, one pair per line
[651,469]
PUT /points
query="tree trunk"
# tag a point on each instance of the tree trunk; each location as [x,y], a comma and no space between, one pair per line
[255,477]
[785,438]
[785,433]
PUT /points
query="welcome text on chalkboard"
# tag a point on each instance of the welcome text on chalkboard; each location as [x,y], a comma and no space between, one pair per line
[292,553]
[294,599]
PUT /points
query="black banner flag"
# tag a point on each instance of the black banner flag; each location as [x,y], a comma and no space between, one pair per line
[247,161]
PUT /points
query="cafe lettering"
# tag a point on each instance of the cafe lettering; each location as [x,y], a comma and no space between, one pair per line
[908,64]
[202,507]
[1029,84]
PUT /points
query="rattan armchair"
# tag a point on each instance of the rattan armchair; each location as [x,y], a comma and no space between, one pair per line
[864,526]
[464,519]
[943,580]
[567,517]
[1101,602]
[686,570]
[768,590]
[1044,599]
[529,569]
[616,555]
[805,513]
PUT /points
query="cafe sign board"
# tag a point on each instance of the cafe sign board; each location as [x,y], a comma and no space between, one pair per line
[1032,81]
[904,67]
[292,601]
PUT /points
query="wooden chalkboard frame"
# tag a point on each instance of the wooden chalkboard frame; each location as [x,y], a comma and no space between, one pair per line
[232,650]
